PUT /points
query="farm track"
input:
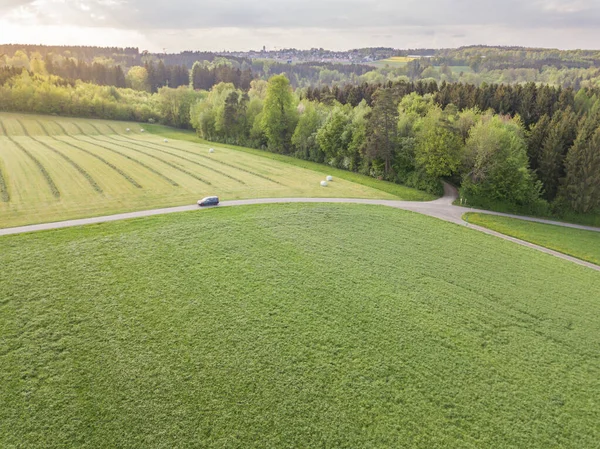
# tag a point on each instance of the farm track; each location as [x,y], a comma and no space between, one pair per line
[36,161]
[100,158]
[175,155]
[208,158]
[74,164]
[183,170]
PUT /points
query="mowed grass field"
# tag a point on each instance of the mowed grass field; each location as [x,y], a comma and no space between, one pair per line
[56,168]
[292,326]
[578,243]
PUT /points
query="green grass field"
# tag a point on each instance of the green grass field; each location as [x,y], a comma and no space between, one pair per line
[294,326]
[55,168]
[394,189]
[578,243]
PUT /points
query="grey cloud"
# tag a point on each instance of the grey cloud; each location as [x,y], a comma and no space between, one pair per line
[332,14]
[8,5]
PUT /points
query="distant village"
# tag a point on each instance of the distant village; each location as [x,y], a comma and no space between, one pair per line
[356,56]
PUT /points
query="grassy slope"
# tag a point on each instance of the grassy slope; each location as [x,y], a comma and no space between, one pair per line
[403,192]
[56,168]
[578,243]
[294,326]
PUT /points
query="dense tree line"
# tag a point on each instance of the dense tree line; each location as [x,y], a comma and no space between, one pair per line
[493,58]
[29,92]
[527,148]
[105,67]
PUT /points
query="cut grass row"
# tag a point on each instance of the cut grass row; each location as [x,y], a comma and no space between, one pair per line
[216,161]
[226,164]
[406,193]
[4,193]
[70,161]
[147,146]
[170,164]
[104,161]
[584,245]
[51,184]
[309,326]
[132,159]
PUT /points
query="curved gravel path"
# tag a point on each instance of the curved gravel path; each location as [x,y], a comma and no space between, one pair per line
[441,208]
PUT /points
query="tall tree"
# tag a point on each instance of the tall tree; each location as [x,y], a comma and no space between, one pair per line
[497,165]
[279,115]
[382,130]
[304,138]
[535,140]
[582,183]
[438,148]
[561,134]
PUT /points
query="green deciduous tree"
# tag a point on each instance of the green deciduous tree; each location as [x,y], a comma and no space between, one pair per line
[497,165]
[137,78]
[174,105]
[279,115]
[439,148]
[304,138]
[335,135]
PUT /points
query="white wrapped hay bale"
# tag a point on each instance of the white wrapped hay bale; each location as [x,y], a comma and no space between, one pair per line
[212,150]
[128,130]
[166,140]
[323,183]
[142,130]
[329,178]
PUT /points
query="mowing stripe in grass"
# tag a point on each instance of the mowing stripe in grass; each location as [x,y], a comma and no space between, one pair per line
[117,169]
[177,156]
[101,159]
[75,165]
[210,159]
[176,167]
[40,166]
[136,160]
[4,194]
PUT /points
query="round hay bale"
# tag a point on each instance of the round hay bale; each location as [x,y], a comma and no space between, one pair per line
[323,183]
[212,150]
[142,130]
[329,178]
[166,140]
[127,130]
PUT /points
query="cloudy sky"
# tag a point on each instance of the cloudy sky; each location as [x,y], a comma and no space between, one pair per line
[335,24]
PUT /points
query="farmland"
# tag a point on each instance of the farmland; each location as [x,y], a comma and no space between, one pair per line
[55,168]
[578,243]
[294,326]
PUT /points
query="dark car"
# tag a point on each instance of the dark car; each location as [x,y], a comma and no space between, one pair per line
[209,201]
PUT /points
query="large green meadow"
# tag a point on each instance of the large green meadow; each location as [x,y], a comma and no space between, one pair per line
[56,168]
[292,326]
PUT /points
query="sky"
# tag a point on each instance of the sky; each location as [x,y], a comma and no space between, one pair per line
[176,25]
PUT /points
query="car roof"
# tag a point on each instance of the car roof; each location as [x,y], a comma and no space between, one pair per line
[210,198]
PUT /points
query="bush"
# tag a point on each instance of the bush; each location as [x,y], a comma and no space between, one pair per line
[421,181]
